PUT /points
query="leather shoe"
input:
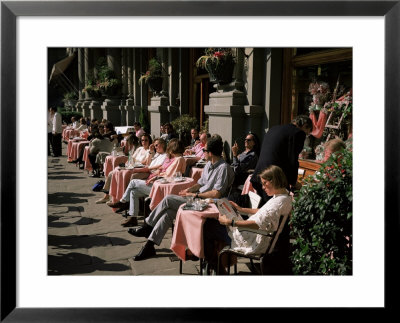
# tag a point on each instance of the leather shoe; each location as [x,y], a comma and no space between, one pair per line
[119,204]
[130,222]
[146,252]
[141,231]
[191,257]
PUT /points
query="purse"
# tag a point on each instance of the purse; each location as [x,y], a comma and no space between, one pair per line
[98,186]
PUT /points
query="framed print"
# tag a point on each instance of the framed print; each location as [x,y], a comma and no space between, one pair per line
[383,153]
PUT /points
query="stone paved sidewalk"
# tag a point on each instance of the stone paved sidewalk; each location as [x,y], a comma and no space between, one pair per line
[85,238]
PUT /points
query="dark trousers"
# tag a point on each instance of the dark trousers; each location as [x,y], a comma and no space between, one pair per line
[214,234]
[56,144]
[49,143]
[92,159]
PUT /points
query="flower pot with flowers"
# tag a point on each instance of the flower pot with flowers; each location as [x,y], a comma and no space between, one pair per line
[92,90]
[219,63]
[107,82]
[153,77]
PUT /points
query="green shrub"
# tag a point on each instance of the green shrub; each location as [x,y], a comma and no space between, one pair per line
[66,115]
[322,220]
[183,125]
[144,120]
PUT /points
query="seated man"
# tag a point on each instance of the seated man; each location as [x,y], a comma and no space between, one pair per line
[215,182]
[98,144]
[194,133]
[245,161]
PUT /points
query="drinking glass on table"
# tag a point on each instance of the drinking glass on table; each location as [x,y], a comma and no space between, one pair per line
[178,176]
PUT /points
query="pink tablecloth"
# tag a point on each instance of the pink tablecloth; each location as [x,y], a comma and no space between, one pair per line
[159,191]
[248,187]
[119,182]
[112,162]
[69,133]
[195,173]
[188,231]
[74,148]
[88,165]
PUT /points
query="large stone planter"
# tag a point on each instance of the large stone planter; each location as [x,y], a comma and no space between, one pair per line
[155,84]
[221,73]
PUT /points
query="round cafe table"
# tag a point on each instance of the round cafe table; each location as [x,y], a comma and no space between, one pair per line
[69,133]
[88,165]
[188,230]
[74,148]
[119,182]
[112,162]
[160,190]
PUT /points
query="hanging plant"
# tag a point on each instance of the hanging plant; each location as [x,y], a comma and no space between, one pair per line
[219,63]
[153,76]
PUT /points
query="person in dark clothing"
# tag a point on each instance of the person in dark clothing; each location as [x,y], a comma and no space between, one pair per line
[281,147]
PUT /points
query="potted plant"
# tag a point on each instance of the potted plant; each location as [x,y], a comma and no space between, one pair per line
[107,82]
[183,125]
[70,99]
[153,76]
[92,89]
[219,63]
[321,222]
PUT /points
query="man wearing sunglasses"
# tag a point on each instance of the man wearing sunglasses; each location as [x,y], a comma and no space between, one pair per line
[215,182]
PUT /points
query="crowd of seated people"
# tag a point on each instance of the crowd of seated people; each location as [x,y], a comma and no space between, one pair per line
[156,152]
[163,158]
[174,162]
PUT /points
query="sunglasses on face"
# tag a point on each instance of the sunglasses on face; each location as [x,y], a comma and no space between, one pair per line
[248,140]
[145,139]
[205,150]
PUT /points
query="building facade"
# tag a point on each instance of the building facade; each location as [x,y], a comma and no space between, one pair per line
[269,86]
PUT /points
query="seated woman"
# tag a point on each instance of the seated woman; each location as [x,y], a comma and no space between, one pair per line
[82,126]
[140,188]
[159,156]
[267,218]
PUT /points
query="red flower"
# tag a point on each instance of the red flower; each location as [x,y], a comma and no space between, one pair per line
[218,54]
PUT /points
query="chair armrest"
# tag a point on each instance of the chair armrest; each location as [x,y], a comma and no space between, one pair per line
[262,232]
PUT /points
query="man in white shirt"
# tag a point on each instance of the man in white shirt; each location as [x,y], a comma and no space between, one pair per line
[56,131]
[49,131]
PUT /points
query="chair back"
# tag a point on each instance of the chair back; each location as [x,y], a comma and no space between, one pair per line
[282,222]
[254,200]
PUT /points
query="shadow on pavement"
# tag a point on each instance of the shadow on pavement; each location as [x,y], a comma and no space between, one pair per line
[81,221]
[75,242]
[60,198]
[77,263]
[63,177]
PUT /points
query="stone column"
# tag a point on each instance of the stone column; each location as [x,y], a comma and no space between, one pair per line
[159,112]
[139,61]
[87,99]
[173,81]
[111,105]
[81,79]
[226,111]
[95,104]
[129,102]
[254,75]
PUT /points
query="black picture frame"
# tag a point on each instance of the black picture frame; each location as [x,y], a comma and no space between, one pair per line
[10,10]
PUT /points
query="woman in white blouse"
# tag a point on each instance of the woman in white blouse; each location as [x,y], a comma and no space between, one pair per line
[266,218]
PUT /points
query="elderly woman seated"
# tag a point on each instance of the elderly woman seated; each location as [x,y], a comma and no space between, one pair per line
[140,188]
[157,154]
[266,218]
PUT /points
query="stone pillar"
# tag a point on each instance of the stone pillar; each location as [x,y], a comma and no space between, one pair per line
[160,102]
[173,81]
[184,81]
[254,75]
[127,115]
[87,99]
[139,61]
[81,79]
[226,110]
[111,105]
